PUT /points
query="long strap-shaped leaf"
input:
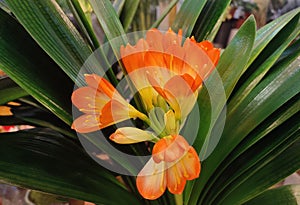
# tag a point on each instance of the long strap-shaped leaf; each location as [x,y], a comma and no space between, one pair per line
[230,68]
[288,195]
[209,19]
[268,32]
[110,23]
[10,91]
[268,125]
[261,153]
[33,159]
[128,12]
[54,32]
[28,65]
[272,93]
[278,122]
[163,15]
[263,63]
[282,165]
[187,16]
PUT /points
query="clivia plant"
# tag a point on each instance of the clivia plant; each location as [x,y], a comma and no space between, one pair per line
[149,117]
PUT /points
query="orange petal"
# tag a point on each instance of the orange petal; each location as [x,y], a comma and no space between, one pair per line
[181,98]
[205,45]
[151,182]
[89,100]
[154,39]
[213,53]
[174,58]
[170,38]
[86,123]
[191,163]
[156,86]
[154,59]
[169,149]
[114,112]
[185,88]
[99,83]
[133,56]
[158,151]
[175,180]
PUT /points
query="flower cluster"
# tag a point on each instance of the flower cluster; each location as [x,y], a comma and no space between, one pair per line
[167,73]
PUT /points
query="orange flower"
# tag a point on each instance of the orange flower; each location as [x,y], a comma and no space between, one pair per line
[173,162]
[101,104]
[161,63]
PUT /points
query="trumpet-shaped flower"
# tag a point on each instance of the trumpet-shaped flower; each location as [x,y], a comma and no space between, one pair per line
[160,64]
[101,104]
[173,162]
[168,73]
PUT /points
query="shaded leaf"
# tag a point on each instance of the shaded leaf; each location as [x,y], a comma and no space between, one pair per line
[33,70]
[256,152]
[187,16]
[54,32]
[212,100]
[128,13]
[209,18]
[263,63]
[10,91]
[288,195]
[33,159]
[167,10]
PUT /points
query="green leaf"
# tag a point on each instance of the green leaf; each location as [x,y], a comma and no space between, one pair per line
[187,16]
[10,91]
[113,30]
[267,97]
[110,24]
[32,69]
[210,16]
[54,32]
[263,63]
[41,118]
[268,32]
[230,68]
[164,13]
[11,120]
[128,13]
[84,23]
[282,165]
[10,94]
[118,6]
[292,50]
[256,150]
[288,195]
[33,159]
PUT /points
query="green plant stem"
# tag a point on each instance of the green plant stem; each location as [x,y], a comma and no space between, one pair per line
[178,199]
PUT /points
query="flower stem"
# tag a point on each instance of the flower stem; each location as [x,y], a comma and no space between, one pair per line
[178,199]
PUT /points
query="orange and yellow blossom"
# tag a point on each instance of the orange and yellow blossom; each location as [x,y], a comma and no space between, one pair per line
[173,162]
[168,75]
[159,63]
[101,104]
